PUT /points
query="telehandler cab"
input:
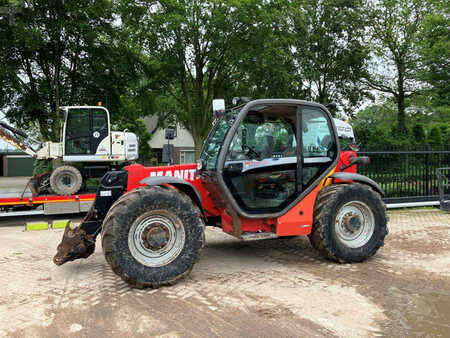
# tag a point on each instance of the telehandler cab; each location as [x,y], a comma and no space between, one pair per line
[269,168]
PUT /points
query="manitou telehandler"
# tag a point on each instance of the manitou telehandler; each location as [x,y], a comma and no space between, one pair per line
[87,149]
[269,168]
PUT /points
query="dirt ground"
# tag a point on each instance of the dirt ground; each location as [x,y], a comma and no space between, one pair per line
[252,289]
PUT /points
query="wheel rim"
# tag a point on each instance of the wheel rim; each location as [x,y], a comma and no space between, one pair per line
[67,180]
[355,224]
[156,239]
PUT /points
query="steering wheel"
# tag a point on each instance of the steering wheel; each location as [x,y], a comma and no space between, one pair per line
[251,153]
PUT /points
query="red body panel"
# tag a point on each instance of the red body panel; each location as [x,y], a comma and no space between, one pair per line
[298,220]
[187,172]
[344,160]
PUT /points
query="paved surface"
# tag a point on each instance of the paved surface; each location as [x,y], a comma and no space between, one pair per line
[252,289]
[13,187]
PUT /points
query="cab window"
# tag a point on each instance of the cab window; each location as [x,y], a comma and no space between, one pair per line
[319,145]
[99,120]
[257,140]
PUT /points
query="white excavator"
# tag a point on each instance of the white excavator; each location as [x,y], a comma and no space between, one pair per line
[87,149]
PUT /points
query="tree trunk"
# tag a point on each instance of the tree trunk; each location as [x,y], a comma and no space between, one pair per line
[401,120]
[401,98]
[198,143]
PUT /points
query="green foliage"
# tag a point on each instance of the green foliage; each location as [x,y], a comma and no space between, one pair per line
[42,166]
[61,53]
[435,137]
[375,128]
[130,119]
[434,48]
[418,133]
[329,51]
[394,27]
[172,57]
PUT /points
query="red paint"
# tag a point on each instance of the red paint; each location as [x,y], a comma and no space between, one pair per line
[45,199]
[187,172]
[344,160]
[298,220]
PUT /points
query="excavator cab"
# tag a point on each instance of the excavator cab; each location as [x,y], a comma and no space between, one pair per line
[84,130]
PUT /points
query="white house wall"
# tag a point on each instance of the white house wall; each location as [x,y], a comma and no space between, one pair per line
[183,139]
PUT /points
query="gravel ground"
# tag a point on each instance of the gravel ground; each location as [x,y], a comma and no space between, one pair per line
[251,289]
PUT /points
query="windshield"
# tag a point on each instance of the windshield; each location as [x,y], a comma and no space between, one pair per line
[213,144]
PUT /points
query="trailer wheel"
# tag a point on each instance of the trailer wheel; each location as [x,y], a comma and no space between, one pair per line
[152,236]
[66,180]
[349,223]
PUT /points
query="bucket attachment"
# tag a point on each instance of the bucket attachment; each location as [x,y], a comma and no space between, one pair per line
[75,244]
[79,242]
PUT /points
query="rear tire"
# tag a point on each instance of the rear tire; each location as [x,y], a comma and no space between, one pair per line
[66,180]
[152,236]
[349,223]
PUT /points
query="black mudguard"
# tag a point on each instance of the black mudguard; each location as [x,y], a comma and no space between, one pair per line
[344,176]
[179,184]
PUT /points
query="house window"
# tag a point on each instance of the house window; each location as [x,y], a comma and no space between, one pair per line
[187,156]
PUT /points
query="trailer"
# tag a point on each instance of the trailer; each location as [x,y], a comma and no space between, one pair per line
[45,205]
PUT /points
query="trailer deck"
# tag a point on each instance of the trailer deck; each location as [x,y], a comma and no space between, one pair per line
[16,200]
[51,204]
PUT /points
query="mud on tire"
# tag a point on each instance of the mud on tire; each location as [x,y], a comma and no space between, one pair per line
[66,180]
[350,222]
[152,236]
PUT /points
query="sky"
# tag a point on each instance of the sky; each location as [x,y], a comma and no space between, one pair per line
[3,144]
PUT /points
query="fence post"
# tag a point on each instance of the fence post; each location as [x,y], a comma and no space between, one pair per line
[427,172]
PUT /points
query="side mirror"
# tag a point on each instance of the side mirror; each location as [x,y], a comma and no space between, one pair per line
[361,160]
[218,105]
[331,106]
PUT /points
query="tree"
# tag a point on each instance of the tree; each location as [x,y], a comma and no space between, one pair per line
[394,27]
[434,48]
[418,132]
[329,51]
[435,137]
[61,53]
[198,45]
[265,65]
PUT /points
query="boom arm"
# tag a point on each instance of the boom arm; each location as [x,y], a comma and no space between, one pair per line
[5,134]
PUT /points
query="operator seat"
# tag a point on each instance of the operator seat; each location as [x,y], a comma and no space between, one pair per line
[267,148]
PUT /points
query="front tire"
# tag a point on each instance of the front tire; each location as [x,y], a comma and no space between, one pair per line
[152,236]
[350,223]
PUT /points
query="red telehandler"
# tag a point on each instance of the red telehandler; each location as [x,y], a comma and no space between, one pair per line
[268,168]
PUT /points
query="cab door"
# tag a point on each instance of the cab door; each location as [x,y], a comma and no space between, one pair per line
[260,168]
[85,129]
[99,129]
[276,153]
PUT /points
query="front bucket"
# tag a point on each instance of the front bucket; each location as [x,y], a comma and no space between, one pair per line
[75,244]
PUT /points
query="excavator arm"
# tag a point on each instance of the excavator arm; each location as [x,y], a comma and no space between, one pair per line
[7,134]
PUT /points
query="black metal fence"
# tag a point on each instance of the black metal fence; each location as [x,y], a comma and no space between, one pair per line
[404,175]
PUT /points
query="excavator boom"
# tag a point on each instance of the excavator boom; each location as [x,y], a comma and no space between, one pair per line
[5,134]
